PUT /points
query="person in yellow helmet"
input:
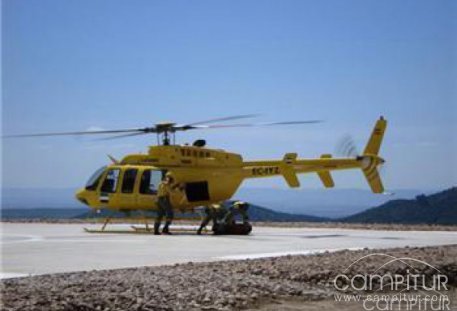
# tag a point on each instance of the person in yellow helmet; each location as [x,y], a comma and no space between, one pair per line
[242,209]
[164,191]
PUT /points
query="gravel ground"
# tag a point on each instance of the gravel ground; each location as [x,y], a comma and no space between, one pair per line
[226,285]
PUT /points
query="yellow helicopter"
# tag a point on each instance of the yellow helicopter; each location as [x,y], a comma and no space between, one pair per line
[207,176]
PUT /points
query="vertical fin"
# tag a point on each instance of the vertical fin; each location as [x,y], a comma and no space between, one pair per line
[374,143]
[370,159]
[374,180]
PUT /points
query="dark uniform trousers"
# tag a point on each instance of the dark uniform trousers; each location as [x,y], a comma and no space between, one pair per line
[164,209]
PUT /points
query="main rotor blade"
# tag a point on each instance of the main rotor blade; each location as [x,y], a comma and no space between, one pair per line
[170,128]
[293,122]
[259,124]
[238,117]
[102,132]
[122,136]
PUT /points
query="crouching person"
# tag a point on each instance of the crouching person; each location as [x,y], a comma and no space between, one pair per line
[210,214]
[228,225]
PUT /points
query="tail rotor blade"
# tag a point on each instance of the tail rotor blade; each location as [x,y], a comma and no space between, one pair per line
[346,147]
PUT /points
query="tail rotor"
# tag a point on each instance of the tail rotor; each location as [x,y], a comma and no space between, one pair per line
[346,147]
[370,162]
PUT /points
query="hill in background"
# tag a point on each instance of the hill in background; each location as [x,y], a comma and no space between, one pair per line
[439,208]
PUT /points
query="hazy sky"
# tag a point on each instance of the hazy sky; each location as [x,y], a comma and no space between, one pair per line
[74,65]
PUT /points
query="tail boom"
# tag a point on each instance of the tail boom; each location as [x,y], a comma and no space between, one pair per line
[290,166]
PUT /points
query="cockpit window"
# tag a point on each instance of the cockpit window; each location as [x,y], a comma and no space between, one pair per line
[94,180]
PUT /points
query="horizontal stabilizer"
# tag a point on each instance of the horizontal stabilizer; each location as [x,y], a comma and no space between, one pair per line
[326,179]
[290,158]
[325,176]
[288,171]
[291,178]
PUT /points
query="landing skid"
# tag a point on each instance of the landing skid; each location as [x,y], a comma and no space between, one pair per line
[145,229]
[219,229]
[113,231]
[239,229]
[142,230]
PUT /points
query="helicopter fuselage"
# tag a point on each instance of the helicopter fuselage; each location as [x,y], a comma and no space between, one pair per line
[206,176]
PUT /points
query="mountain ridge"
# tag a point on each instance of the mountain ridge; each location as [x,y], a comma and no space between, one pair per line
[437,208]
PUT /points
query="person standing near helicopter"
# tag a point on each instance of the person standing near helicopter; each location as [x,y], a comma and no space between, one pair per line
[164,191]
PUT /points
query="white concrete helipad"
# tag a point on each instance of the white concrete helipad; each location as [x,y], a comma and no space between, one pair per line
[48,248]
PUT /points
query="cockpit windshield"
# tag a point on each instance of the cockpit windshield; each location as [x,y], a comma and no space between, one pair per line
[93,181]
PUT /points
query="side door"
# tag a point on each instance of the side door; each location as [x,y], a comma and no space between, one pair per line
[108,196]
[149,183]
[127,196]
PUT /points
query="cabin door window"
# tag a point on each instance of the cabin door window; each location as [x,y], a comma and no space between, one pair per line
[128,182]
[110,183]
[150,181]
